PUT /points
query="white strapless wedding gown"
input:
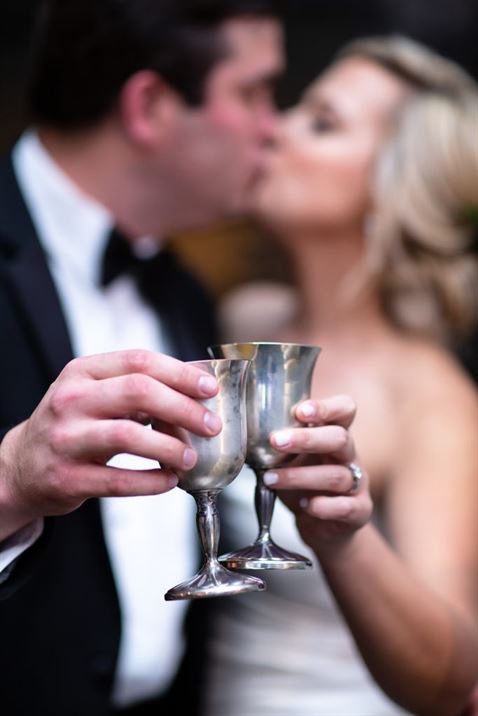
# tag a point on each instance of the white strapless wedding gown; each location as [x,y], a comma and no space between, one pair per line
[286,651]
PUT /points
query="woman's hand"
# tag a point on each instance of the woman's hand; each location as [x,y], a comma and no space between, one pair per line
[322,487]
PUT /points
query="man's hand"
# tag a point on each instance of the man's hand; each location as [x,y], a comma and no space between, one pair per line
[319,485]
[56,460]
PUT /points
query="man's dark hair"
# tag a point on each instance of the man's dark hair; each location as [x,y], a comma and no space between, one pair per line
[87,49]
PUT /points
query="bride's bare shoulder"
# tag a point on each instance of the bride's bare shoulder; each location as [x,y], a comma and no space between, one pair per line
[259,310]
[431,372]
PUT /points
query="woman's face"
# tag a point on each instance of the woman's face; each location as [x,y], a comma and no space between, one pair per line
[318,178]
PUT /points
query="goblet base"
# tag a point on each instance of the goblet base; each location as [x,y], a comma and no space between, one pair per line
[265,555]
[214,581]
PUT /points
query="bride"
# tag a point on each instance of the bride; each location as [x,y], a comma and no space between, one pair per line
[373,192]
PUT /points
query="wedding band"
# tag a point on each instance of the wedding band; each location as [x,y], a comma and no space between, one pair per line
[357,474]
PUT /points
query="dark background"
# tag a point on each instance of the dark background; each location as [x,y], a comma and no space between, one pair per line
[315,30]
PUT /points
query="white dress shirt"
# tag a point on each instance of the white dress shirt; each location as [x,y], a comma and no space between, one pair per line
[151,540]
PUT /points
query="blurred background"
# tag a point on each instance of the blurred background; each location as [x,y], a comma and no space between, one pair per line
[230,254]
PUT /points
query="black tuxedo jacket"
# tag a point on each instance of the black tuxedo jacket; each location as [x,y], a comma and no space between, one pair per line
[59,611]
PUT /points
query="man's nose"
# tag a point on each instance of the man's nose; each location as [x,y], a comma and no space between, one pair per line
[269,126]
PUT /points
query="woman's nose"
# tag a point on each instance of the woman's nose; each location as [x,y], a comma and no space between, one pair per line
[269,126]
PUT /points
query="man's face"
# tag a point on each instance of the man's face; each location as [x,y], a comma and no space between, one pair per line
[217,151]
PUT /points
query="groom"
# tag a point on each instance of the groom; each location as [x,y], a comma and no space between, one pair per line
[149,116]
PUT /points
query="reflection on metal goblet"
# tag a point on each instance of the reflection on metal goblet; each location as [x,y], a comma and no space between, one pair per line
[278,379]
[220,459]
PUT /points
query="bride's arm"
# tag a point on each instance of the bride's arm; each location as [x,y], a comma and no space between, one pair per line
[411,608]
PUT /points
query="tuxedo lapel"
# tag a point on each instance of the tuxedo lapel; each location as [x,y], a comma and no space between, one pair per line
[25,269]
[38,301]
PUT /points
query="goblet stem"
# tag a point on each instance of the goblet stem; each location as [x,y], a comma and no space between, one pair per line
[212,580]
[264,553]
[264,500]
[207,519]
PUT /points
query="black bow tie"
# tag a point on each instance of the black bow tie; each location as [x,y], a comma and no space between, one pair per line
[156,276]
[119,258]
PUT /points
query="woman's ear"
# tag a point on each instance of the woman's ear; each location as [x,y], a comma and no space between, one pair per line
[146,107]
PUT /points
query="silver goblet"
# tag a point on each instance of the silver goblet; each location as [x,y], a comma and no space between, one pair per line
[278,379]
[220,459]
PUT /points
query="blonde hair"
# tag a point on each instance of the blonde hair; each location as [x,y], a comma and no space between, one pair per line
[422,248]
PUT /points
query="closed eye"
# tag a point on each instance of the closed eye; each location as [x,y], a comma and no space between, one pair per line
[323,124]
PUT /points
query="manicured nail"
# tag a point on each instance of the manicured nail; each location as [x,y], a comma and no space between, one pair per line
[207,384]
[307,410]
[304,502]
[212,422]
[283,438]
[172,481]
[271,478]
[189,458]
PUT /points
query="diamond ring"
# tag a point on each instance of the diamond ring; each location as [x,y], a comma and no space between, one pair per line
[357,475]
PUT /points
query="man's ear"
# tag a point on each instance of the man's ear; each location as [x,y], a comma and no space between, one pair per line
[147,106]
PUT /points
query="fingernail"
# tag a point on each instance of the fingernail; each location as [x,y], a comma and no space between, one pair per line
[207,384]
[189,458]
[304,502]
[212,422]
[307,410]
[271,478]
[283,438]
[172,481]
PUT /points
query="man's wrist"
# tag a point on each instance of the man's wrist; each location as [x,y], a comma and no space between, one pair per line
[13,517]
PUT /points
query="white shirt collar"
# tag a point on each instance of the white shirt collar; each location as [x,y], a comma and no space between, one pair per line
[72,226]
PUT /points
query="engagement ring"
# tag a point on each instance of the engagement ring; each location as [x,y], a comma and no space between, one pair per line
[357,475]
